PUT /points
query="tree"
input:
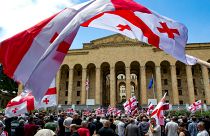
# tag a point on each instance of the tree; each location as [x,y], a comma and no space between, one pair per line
[6,83]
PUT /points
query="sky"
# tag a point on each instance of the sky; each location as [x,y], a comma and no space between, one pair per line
[18,15]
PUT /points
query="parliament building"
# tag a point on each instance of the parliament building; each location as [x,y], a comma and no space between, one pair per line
[111,69]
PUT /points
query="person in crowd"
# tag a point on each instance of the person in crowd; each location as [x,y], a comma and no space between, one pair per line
[14,124]
[31,128]
[112,125]
[67,123]
[83,130]
[201,129]
[171,128]
[132,129]
[45,132]
[154,129]
[61,128]
[98,124]
[73,128]
[182,130]
[144,126]
[192,127]
[207,123]
[2,131]
[76,119]
[121,127]
[19,130]
[106,130]
[51,124]
[91,126]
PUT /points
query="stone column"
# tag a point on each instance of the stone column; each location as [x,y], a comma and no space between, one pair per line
[174,85]
[205,76]
[83,93]
[190,85]
[98,92]
[128,82]
[70,86]
[112,87]
[143,85]
[57,81]
[158,84]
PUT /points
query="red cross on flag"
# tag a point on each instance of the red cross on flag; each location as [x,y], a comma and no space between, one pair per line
[195,106]
[49,98]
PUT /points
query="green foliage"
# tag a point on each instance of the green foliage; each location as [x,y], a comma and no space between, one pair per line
[184,112]
[6,83]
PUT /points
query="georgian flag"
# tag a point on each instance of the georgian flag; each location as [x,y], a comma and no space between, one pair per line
[195,106]
[25,102]
[130,104]
[157,113]
[146,26]
[21,104]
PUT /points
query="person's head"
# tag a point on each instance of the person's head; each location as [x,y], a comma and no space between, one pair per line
[106,124]
[182,127]
[201,126]
[75,116]
[30,119]
[84,124]
[144,119]
[21,122]
[153,121]
[98,118]
[194,118]
[73,127]
[90,119]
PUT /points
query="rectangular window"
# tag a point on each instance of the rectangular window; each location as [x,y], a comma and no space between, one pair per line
[66,93]
[78,83]
[79,73]
[179,82]
[67,85]
[78,93]
[180,92]
[205,101]
[194,82]
[78,102]
[66,102]
[177,71]
[164,71]
[181,102]
[195,91]
[165,82]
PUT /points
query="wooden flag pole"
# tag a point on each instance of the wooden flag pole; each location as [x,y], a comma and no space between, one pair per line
[199,61]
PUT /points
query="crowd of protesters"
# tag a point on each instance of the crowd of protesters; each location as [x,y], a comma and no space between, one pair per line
[65,124]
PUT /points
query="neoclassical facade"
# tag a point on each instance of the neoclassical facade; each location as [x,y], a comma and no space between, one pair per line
[115,68]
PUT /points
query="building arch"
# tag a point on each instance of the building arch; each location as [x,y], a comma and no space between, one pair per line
[150,74]
[119,70]
[135,77]
[105,83]
[166,80]
[91,78]
[64,84]
[77,84]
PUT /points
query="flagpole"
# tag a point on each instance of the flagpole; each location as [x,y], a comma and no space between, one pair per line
[153,87]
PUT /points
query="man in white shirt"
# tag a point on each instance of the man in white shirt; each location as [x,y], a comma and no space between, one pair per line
[154,129]
[171,127]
